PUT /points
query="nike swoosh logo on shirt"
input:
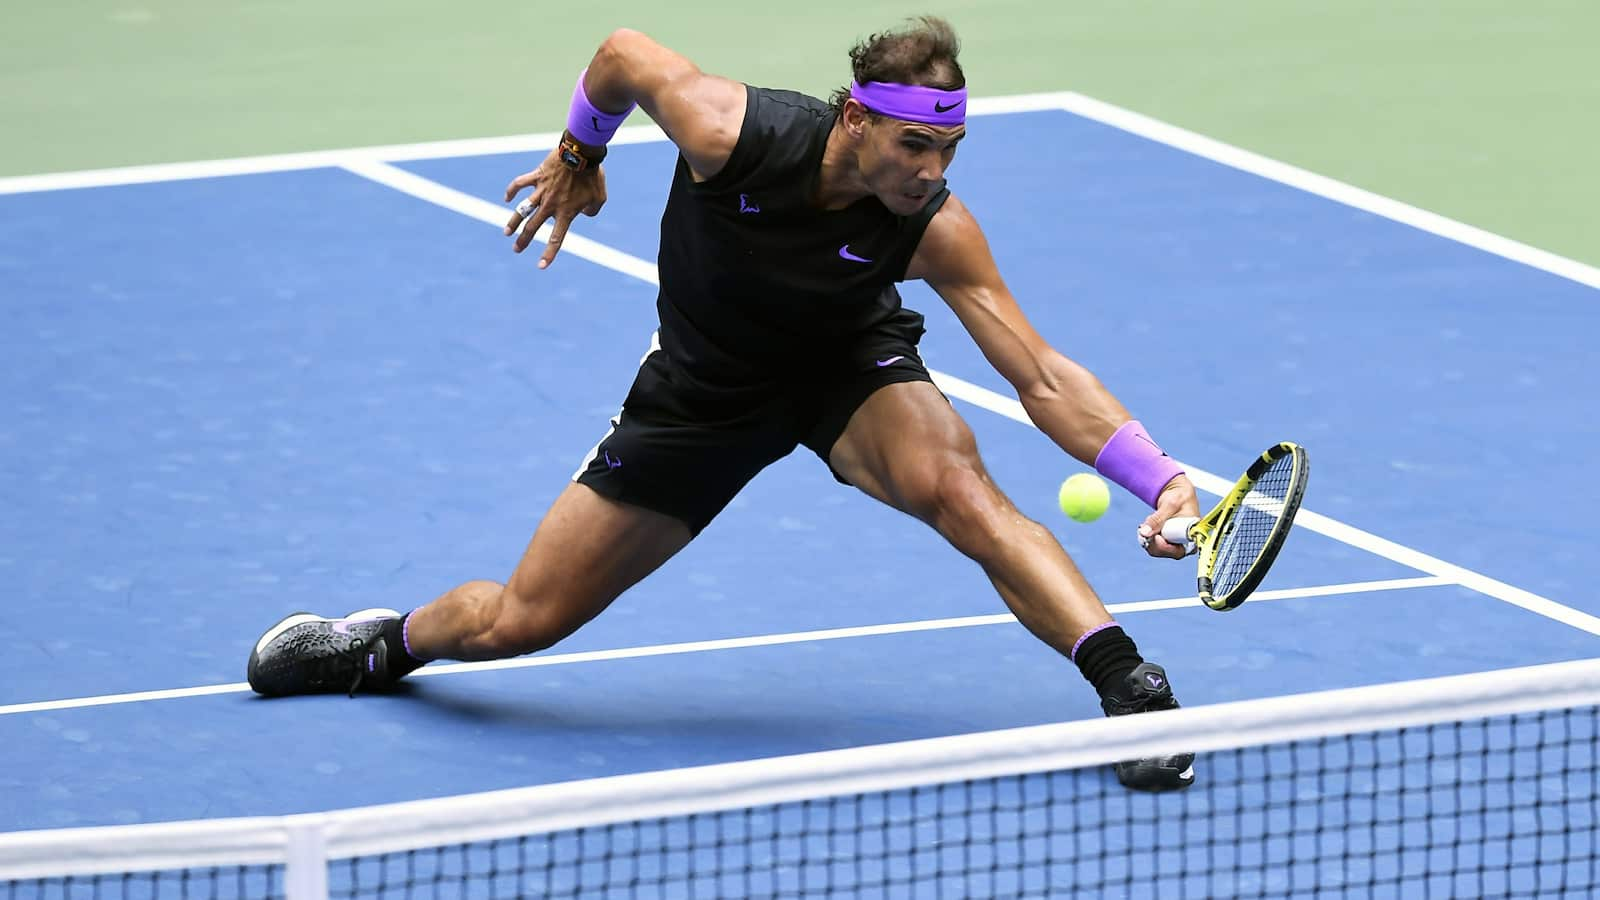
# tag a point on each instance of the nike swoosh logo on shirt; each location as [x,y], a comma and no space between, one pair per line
[888,362]
[845,252]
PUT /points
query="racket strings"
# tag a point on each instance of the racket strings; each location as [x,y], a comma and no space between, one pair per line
[1253,525]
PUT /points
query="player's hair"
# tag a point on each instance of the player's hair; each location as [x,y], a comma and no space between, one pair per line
[922,52]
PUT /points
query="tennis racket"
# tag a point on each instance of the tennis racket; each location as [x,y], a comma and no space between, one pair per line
[1238,540]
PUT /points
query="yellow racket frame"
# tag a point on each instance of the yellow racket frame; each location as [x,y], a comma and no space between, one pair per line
[1206,532]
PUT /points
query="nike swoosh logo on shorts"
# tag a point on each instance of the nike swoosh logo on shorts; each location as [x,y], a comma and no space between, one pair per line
[890,361]
[845,252]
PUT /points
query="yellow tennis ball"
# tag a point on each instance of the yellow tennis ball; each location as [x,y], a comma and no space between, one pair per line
[1084,497]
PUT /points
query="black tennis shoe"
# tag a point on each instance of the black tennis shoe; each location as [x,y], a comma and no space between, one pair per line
[1145,689]
[307,654]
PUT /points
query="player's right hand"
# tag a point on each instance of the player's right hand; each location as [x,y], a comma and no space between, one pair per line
[1177,499]
[558,194]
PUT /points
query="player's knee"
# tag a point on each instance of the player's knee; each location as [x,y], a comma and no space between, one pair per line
[964,505]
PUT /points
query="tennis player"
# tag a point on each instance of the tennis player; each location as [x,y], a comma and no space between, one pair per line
[789,222]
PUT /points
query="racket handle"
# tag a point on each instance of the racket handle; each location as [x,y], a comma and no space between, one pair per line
[1176,529]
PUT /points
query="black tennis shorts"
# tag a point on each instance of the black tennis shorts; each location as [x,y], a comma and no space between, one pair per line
[685,447]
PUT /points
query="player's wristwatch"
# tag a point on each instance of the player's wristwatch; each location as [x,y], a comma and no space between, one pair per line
[579,157]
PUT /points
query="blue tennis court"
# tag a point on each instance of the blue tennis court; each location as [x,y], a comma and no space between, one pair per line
[230,398]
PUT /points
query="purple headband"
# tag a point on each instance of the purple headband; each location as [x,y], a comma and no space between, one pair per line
[913,103]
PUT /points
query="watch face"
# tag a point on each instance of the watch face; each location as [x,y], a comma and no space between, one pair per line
[571,159]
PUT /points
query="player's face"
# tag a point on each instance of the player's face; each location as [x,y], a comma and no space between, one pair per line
[906,161]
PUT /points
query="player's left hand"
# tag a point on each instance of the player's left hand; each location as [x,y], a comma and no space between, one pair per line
[559,194]
[1177,499]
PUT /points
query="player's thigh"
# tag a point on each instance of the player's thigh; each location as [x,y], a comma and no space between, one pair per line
[904,445]
[588,550]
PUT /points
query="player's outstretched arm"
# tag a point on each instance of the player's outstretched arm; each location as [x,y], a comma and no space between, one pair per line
[701,113]
[1064,399]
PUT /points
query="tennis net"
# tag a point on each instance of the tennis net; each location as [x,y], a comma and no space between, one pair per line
[1480,785]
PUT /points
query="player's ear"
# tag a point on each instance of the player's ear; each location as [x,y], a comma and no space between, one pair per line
[855,118]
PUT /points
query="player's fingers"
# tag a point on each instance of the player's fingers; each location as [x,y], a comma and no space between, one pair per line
[1154,544]
[1158,547]
[558,234]
[530,230]
[526,179]
[524,209]
[1148,529]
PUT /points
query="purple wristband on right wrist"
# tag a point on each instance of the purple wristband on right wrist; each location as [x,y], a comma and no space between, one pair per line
[1134,461]
[589,124]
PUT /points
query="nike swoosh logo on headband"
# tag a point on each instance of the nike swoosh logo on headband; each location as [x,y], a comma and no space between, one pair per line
[939,108]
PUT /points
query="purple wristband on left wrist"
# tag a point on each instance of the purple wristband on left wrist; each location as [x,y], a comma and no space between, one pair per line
[590,124]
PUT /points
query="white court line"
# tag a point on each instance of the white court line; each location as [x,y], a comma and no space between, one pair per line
[494,214]
[765,640]
[294,162]
[291,162]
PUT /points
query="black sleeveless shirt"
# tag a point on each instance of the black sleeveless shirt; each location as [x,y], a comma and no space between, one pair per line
[756,280]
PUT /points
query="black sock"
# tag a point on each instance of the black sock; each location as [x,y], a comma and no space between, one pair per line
[1105,656]
[401,662]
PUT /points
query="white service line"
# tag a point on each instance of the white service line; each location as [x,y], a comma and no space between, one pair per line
[763,640]
[831,634]
[433,192]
